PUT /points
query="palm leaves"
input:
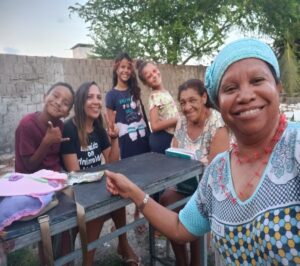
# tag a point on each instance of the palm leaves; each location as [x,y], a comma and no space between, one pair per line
[290,66]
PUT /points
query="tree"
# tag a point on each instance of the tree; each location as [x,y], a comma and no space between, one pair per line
[171,31]
[280,21]
[176,31]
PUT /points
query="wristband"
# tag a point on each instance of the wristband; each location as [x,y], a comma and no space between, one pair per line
[144,202]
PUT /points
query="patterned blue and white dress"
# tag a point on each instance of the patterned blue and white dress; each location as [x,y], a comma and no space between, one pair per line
[262,230]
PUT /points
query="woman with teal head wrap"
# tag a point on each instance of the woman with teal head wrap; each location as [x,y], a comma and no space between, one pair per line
[231,53]
[248,197]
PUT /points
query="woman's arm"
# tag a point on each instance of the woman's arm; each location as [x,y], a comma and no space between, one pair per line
[174,143]
[166,221]
[112,153]
[71,162]
[157,124]
[220,142]
[109,116]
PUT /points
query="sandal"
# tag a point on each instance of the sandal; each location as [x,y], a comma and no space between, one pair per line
[130,261]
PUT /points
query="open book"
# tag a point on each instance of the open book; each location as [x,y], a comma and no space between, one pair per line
[181,153]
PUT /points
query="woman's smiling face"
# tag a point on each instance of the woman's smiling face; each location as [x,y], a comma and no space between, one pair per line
[249,97]
[93,104]
[192,104]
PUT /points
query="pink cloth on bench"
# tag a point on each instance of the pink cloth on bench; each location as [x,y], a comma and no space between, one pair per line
[38,183]
[14,208]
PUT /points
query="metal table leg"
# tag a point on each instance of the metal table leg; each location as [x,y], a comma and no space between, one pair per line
[203,250]
[152,245]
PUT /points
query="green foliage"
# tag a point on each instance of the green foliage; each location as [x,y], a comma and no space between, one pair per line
[289,70]
[176,31]
[279,20]
[172,31]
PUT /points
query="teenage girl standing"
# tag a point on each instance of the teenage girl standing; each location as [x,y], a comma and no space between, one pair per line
[162,107]
[124,103]
[124,100]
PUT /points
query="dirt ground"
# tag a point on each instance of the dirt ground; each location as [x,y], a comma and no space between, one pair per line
[107,253]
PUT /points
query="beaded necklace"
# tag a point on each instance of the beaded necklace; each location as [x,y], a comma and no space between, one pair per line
[252,158]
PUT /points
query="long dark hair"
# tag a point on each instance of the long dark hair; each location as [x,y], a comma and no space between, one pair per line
[132,83]
[140,65]
[197,85]
[80,116]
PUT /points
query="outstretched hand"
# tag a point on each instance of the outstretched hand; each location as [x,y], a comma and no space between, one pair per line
[112,129]
[53,134]
[118,184]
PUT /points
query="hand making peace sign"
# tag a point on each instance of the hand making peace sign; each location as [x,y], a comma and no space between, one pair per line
[112,129]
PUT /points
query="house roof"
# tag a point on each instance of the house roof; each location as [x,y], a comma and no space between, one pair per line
[81,45]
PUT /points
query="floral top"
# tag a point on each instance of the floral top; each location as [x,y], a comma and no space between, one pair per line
[166,105]
[201,145]
[265,228]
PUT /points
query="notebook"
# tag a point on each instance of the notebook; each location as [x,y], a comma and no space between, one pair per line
[180,153]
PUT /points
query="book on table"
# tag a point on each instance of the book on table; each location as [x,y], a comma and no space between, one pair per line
[190,185]
[181,153]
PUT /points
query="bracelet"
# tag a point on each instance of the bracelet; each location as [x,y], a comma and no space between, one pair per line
[144,202]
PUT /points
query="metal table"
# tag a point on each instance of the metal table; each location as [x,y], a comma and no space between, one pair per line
[152,172]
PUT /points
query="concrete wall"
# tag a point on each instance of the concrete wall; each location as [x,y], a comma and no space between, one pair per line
[25,79]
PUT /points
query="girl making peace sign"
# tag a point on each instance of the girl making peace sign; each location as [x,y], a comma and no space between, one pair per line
[125,99]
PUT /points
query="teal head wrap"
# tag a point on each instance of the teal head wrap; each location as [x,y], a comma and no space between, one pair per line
[231,53]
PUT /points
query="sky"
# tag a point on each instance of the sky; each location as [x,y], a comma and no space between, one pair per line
[41,27]
[46,28]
